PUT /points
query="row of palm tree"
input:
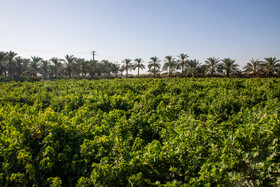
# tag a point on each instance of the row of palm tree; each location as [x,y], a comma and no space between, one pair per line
[72,67]
[212,66]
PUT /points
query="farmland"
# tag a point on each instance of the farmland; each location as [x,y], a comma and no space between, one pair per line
[140,132]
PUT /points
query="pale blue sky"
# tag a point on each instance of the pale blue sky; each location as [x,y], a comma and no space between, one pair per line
[119,29]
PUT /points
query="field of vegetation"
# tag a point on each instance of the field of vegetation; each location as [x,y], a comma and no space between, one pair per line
[140,132]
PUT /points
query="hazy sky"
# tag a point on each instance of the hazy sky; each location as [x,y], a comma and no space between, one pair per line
[119,29]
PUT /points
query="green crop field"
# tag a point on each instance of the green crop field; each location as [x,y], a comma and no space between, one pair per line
[140,132]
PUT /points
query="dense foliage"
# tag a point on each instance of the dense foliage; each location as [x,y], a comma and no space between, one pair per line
[140,132]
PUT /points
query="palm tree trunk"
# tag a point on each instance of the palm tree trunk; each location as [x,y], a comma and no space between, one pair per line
[138,72]
[169,74]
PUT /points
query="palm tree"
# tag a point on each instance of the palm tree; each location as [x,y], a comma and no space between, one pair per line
[139,65]
[271,65]
[154,65]
[57,66]
[121,70]
[25,66]
[254,66]
[182,61]
[192,67]
[229,66]
[11,65]
[115,68]
[70,61]
[212,65]
[127,65]
[81,67]
[2,63]
[93,68]
[202,70]
[170,65]
[107,67]
[44,69]
[19,65]
[34,66]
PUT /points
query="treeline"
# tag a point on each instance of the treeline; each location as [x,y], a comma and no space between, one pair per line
[16,67]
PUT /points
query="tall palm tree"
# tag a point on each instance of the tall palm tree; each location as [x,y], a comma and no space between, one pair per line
[25,66]
[229,66]
[11,65]
[127,65]
[81,67]
[34,65]
[44,69]
[271,65]
[212,65]
[107,67]
[139,65]
[70,62]
[93,68]
[57,66]
[170,65]
[121,70]
[253,67]
[2,63]
[192,67]
[19,65]
[115,68]
[202,70]
[154,65]
[182,62]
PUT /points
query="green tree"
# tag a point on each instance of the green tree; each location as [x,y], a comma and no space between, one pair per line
[182,62]
[270,65]
[253,67]
[212,65]
[56,66]
[93,68]
[70,64]
[11,64]
[154,65]
[20,68]
[2,63]
[34,65]
[228,66]
[127,65]
[192,67]
[107,67]
[44,69]
[115,68]
[202,70]
[81,67]
[139,65]
[169,65]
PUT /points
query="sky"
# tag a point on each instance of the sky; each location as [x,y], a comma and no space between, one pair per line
[119,29]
